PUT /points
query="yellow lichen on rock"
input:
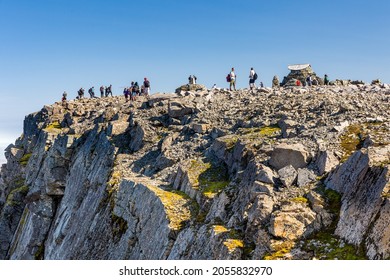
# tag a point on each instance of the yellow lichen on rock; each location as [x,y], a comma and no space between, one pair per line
[218,229]
[54,128]
[233,244]
[177,206]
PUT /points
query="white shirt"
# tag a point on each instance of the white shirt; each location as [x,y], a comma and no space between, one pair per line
[232,75]
[251,74]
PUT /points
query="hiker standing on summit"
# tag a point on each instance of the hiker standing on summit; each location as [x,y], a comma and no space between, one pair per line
[146,87]
[233,77]
[252,79]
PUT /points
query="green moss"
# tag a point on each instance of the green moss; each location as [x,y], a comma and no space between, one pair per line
[196,168]
[230,141]
[207,177]
[333,200]
[351,140]
[24,160]
[213,180]
[40,253]
[327,246]
[201,217]
[279,250]
[118,225]
[10,198]
[355,134]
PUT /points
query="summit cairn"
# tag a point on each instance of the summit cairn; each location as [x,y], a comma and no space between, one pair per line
[300,72]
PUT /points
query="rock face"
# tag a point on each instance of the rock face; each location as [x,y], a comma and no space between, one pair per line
[364,190]
[202,175]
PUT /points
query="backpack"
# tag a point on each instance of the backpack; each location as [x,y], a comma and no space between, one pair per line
[255,76]
[228,78]
[147,84]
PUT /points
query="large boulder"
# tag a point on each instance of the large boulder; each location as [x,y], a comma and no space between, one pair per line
[293,221]
[177,109]
[289,154]
[191,87]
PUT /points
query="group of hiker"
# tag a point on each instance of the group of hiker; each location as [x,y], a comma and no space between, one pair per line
[232,77]
[106,91]
[134,90]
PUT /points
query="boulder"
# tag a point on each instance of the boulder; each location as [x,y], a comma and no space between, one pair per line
[177,109]
[305,177]
[191,87]
[200,128]
[293,221]
[265,175]
[326,162]
[287,175]
[289,154]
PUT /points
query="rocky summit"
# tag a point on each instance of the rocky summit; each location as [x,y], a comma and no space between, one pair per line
[281,173]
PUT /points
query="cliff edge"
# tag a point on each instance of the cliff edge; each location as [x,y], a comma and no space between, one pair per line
[283,173]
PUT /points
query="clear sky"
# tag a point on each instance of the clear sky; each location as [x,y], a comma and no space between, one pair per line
[51,46]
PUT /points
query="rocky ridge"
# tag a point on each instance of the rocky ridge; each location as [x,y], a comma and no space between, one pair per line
[282,173]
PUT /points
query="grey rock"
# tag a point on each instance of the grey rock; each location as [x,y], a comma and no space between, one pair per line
[305,177]
[289,154]
[178,109]
[295,222]
[326,162]
[288,175]
[288,128]
[136,138]
[265,175]
[361,186]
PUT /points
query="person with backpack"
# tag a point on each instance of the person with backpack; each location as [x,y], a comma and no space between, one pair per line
[64,95]
[231,78]
[126,93]
[308,81]
[133,92]
[136,88]
[252,79]
[80,93]
[110,90]
[91,92]
[326,80]
[102,91]
[146,86]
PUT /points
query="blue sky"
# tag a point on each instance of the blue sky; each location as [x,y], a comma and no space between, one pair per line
[48,46]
